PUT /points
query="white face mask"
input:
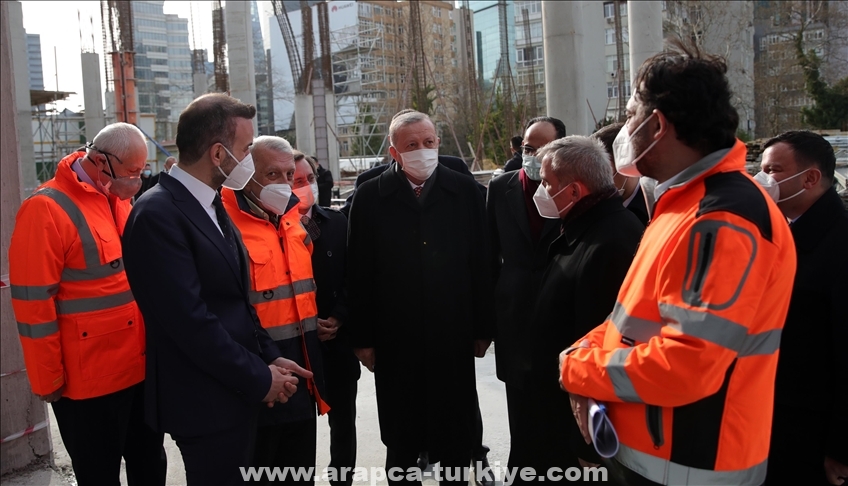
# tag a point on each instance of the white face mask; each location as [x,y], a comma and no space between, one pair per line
[546,205]
[241,173]
[275,197]
[305,195]
[772,186]
[623,151]
[531,166]
[420,164]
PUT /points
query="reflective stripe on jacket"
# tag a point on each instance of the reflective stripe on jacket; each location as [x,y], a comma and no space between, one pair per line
[77,320]
[282,288]
[686,361]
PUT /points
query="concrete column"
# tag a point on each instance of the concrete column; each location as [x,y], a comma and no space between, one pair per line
[199,83]
[646,35]
[303,115]
[20,69]
[92,94]
[332,135]
[240,54]
[21,409]
[573,36]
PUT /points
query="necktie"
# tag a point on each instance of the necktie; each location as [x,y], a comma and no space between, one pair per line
[226,227]
[311,227]
[418,190]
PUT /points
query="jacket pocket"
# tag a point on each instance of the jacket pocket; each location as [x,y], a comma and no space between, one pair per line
[264,274]
[110,243]
[654,418]
[109,341]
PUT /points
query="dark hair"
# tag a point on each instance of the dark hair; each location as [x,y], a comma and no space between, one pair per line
[810,149]
[209,119]
[690,88]
[606,135]
[556,122]
[516,142]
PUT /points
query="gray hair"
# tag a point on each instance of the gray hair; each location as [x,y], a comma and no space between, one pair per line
[581,159]
[405,118]
[117,140]
[269,142]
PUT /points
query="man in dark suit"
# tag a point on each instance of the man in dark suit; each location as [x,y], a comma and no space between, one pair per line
[628,187]
[587,264]
[419,285]
[514,163]
[811,377]
[519,238]
[328,230]
[209,363]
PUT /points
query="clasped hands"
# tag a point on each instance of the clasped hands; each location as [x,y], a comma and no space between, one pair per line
[283,381]
[579,407]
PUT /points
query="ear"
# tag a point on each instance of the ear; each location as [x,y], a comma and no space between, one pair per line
[395,155]
[812,178]
[662,125]
[217,154]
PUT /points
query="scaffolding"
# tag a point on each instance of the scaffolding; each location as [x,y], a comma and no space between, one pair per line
[361,90]
[55,135]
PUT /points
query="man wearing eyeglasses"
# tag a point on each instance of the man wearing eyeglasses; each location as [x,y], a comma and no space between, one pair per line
[520,238]
[80,328]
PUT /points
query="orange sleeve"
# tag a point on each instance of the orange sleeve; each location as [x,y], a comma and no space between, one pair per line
[711,289]
[36,260]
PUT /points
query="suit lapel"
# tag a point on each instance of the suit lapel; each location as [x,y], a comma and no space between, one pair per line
[515,202]
[191,208]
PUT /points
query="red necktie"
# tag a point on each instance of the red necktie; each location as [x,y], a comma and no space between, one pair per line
[417,190]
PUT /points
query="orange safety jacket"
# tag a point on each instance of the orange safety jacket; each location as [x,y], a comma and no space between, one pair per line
[282,287]
[78,322]
[686,361]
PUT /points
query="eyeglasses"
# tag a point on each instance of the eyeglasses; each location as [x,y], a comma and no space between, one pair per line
[90,145]
[528,150]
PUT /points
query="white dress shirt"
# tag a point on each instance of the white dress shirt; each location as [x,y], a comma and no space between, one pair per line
[204,194]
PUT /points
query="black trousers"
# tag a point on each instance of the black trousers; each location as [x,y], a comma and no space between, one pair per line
[96,431]
[290,445]
[215,459]
[796,453]
[341,395]
[453,467]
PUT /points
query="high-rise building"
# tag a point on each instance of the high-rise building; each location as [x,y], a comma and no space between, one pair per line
[36,73]
[529,72]
[780,87]
[162,65]
[489,18]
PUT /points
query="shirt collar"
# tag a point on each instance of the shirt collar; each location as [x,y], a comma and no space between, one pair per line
[204,194]
[691,172]
[82,174]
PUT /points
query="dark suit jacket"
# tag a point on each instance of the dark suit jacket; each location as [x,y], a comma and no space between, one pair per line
[514,163]
[419,287]
[206,352]
[588,262]
[453,163]
[518,263]
[328,266]
[810,373]
[638,207]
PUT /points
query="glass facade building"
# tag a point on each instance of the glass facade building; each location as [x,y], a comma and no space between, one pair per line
[487,27]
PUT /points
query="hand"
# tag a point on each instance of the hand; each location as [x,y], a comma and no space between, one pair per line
[292,367]
[835,471]
[587,463]
[56,395]
[328,328]
[580,410]
[480,347]
[283,385]
[366,357]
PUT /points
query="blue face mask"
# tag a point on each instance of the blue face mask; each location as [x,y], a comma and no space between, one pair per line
[147,172]
[531,166]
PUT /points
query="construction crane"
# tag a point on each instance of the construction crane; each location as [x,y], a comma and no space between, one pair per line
[117,20]
[530,53]
[219,41]
[288,39]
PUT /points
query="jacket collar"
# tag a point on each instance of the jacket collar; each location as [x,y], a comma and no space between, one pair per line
[573,229]
[392,181]
[809,229]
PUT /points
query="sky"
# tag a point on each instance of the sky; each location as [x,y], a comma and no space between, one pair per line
[67,27]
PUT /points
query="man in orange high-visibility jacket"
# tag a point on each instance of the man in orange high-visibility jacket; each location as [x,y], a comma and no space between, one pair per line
[686,361]
[282,290]
[80,328]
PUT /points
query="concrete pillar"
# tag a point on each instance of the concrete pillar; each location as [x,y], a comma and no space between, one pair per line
[21,409]
[646,39]
[240,54]
[303,116]
[20,69]
[199,82]
[92,95]
[332,135]
[573,36]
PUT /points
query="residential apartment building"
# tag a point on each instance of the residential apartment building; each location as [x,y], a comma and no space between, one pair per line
[530,57]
